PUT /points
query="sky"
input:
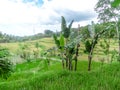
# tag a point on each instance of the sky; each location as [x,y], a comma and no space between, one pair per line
[28,17]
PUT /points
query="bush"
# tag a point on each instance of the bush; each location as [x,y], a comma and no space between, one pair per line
[6,67]
[4,52]
[5,64]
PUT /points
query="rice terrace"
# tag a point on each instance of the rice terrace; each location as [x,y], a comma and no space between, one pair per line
[72,58]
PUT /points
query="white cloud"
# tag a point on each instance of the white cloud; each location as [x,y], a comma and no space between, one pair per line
[20,17]
[77,5]
[16,12]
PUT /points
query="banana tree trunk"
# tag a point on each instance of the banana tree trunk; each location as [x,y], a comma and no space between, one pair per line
[66,54]
[66,62]
[63,65]
[119,48]
[118,36]
[89,62]
[75,63]
[76,57]
[108,59]
[70,65]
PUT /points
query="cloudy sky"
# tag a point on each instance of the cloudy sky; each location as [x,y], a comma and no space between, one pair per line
[28,17]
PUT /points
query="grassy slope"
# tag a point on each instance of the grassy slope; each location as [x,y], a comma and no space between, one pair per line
[30,76]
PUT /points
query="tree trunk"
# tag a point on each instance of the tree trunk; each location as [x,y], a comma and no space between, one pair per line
[63,64]
[75,64]
[66,62]
[66,54]
[89,62]
[119,48]
[118,36]
[76,57]
[70,65]
[108,59]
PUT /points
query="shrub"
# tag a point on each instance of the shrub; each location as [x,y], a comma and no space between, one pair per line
[4,52]
[6,67]
[5,64]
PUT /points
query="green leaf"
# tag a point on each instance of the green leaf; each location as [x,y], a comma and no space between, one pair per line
[91,29]
[65,29]
[115,3]
[88,46]
[70,25]
[66,33]
[54,37]
[63,24]
[57,42]
[62,42]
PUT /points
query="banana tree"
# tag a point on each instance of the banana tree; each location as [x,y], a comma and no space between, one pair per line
[73,49]
[68,47]
[60,43]
[66,33]
[91,43]
[118,24]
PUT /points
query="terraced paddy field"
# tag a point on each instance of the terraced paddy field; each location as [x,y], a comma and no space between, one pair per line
[47,43]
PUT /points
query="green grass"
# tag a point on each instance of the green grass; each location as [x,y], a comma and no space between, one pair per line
[106,77]
[27,65]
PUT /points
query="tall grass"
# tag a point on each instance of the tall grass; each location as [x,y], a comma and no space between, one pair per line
[105,77]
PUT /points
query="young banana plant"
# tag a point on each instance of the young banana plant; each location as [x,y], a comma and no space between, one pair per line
[90,43]
[60,45]
[68,46]
[66,33]
[63,41]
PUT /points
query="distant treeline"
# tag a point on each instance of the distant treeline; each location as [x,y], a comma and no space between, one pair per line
[5,38]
